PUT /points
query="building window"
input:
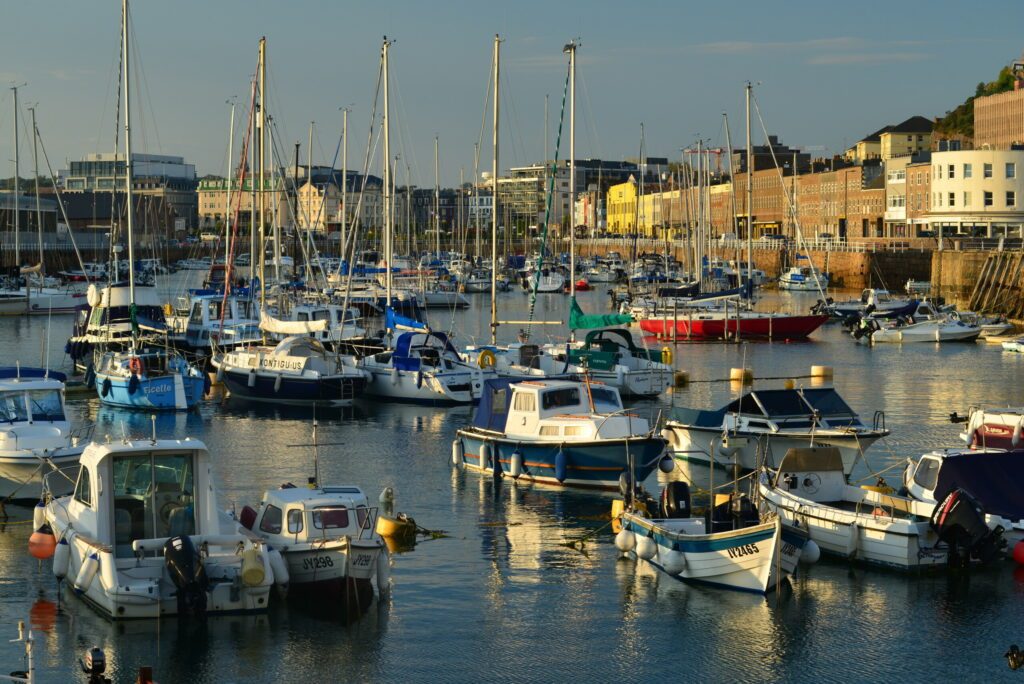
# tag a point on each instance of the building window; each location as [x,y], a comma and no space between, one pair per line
[939,169]
[1011,170]
[952,170]
[952,198]
[967,171]
[988,198]
[967,199]
[1011,198]
[987,170]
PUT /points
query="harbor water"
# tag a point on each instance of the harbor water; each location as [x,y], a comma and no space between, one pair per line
[525,585]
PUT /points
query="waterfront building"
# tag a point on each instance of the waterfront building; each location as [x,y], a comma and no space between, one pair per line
[26,207]
[977,193]
[770,155]
[999,118]
[896,193]
[212,195]
[910,136]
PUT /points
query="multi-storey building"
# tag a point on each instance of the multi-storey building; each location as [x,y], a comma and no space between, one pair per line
[907,137]
[999,119]
[977,193]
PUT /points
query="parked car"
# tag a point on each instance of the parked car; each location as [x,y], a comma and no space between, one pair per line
[774,240]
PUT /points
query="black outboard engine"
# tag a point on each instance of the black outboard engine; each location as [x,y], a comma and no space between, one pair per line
[736,512]
[959,520]
[188,574]
[675,500]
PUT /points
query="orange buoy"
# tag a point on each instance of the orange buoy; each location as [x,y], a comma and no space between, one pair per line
[42,543]
[1018,553]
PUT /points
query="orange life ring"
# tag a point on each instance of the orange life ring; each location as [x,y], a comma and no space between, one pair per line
[135,365]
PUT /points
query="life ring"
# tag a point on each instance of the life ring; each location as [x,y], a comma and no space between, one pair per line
[666,356]
[486,359]
[135,365]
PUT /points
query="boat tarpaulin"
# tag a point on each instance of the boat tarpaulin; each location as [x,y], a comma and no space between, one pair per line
[393,321]
[279,327]
[492,411]
[581,321]
[991,478]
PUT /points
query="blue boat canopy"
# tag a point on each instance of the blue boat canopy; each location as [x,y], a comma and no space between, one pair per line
[992,478]
[492,411]
[402,358]
[795,407]
[393,321]
[11,372]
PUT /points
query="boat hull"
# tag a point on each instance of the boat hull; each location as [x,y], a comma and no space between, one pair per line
[335,390]
[702,326]
[587,464]
[172,392]
[21,476]
[424,388]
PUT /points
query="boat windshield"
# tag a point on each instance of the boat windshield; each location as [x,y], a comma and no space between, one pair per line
[153,498]
[605,400]
[330,517]
[12,405]
[46,405]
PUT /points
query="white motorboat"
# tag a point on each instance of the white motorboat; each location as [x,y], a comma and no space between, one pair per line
[548,280]
[36,437]
[742,552]
[804,279]
[1016,345]
[761,425]
[522,360]
[423,367]
[990,475]
[602,273]
[143,535]
[942,329]
[611,356]
[872,301]
[325,535]
[477,281]
[809,492]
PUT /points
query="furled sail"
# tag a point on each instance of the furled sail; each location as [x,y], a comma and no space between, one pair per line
[279,327]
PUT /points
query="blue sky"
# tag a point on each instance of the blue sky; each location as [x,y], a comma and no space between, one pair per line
[828,72]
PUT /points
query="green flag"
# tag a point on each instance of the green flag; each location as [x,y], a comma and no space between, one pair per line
[581,321]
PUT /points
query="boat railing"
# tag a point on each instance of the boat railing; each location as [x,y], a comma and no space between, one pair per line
[58,478]
[878,422]
[82,433]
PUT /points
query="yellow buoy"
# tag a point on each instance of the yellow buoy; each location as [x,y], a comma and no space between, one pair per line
[253,572]
[742,375]
[618,505]
[821,371]
[880,489]
[666,356]
[790,384]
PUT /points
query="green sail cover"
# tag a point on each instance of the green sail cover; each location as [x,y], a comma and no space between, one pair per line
[581,321]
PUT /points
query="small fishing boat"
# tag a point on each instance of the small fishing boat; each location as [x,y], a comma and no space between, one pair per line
[992,428]
[728,323]
[942,329]
[612,356]
[992,476]
[36,437]
[804,279]
[872,301]
[560,432]
[750,429]
[299,370]
[1016,345]
[809,492]
[149,378]
[740,552]
[143,535]
[325,535]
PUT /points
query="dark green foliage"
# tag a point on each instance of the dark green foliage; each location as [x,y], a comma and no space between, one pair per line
[960,121]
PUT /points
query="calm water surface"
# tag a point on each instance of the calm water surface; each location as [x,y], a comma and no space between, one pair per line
[505,597]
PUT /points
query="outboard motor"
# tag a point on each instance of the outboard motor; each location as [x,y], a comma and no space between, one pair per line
[675,500]
[735,513]
[188,574]
[959,520]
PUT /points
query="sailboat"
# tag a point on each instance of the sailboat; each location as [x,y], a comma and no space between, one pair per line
[145,376]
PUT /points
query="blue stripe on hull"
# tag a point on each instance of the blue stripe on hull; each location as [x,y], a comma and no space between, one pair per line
[295,390]
[152,394]
[703,545]
[588,465]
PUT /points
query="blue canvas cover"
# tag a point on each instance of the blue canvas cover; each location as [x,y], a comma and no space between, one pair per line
[993,479]
[393,321]
[492,411]
[10,372]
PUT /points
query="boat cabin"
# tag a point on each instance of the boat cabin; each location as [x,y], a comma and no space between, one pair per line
[32,410]
[777,410]
[234,319]
[421,350]
[604,349]
[294,515]
[992,476]
[110,310]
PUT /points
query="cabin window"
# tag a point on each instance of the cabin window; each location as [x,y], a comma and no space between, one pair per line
[322,315]
[83,490]
[213,307]
[499,401]
[302,316]
[330,517]
[295,521]
[361,515]
[197,313]
[927,474]
[573,430]
[550,430]
[605,399]
[154,497]
[271,521]
[569,396]
[525,402]
[13,406]
[46,405]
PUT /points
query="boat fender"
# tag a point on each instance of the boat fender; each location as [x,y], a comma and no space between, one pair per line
[672,561]
[90,376]
[646,548]
[666,463]
[61,556]
[92,295]
[387,501]
[133,384]
[561,465]
[252,378]
[42,543]
[485,456]
[458,453]
[394,376]
[620,376]
[666,356]
[419,379]
[1015,439]
[383,572]
[206,384]
[105,387]
[625,540]
[496,464]
[515,467]
[811,553]
[38,515]
[86,573]
[220,374]
[253,572]
[279,568]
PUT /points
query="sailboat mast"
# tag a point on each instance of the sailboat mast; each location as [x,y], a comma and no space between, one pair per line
[437,204]
[387,176]
[262,171]
[309,205]
[129,204]
[16,188]
[750,196]
[494,205]
[39,209]
[571,49]
[344,179]
[252,190]
[732,178]
[228,214]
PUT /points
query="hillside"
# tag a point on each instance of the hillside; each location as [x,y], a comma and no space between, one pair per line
[960,121]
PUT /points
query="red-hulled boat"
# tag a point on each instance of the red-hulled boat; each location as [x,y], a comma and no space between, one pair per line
[717,325]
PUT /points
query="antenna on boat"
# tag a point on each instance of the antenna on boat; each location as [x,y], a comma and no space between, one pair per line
[152,422]
[124,433]
[316,455]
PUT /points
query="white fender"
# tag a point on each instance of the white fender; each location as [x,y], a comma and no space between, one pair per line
[484,455]
[854,541]
[220,374]
[394,376]
[61,556]
[620,376]
[811,553]
[252,378]
[672,561]
[1015,440]
[38,515]
[86,573]
[383,572]
[108,573]
[625,540]
[515,466]
[646,547]
[458,453]
[279,568]
[277,383]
